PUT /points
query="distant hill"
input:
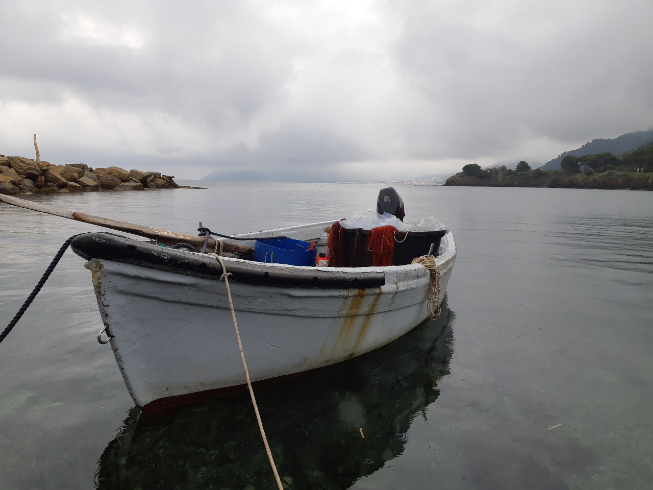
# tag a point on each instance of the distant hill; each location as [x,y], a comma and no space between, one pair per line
[278,176]
[617,146]
[433,178]
[240,176]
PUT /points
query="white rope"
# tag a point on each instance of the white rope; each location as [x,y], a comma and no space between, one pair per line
[433,294]
[225,276]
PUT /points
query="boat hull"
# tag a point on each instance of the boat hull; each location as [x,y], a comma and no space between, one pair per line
[174,339]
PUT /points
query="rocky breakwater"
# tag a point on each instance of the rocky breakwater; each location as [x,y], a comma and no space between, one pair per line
[19,175]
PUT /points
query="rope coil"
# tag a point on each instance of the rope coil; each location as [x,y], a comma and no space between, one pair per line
[433,294]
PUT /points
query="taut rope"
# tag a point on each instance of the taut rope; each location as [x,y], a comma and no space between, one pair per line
[225,276]
[38,287]
[433,294]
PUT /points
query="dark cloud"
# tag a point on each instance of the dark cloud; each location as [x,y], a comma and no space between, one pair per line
[500,74]
[413,88]
[205,63]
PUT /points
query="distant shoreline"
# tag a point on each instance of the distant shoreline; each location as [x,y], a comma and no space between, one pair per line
[555,179]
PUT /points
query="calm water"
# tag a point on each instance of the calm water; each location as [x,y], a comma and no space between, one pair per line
[539,374]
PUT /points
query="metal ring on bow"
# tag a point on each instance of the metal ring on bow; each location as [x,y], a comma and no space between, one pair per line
[99,336]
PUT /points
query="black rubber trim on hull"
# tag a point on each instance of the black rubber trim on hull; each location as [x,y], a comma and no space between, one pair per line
[110,247]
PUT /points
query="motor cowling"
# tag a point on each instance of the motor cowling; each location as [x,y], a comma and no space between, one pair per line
[390,202]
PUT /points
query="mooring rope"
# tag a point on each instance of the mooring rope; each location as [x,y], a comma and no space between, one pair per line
[43,280]
[433,294]
[37,288]
[225,276]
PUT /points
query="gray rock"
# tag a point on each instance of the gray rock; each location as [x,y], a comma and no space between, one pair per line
[109,182]
[114,172]
[171,183]
[79,172]
[49,187]
[32,175]
[92,176]
[88,182]
[68,173]
[29,184]
[11,174]
[6,188]
[158,183]
[132,185]
[23,165]
[140,176]
[53,176]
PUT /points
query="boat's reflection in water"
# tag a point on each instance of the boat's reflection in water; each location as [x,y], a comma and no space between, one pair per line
[313,423]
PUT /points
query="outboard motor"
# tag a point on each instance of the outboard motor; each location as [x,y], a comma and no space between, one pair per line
[390,202]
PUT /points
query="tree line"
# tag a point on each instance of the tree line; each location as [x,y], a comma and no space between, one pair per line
[475,170]
[639,160]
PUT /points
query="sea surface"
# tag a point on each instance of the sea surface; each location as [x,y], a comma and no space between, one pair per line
[539,374]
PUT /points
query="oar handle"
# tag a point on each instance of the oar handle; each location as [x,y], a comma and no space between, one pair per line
[162,236]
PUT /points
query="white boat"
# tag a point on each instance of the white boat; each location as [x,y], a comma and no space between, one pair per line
[168,317]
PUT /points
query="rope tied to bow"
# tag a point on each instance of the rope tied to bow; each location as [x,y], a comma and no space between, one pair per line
[433,294]
[41,283]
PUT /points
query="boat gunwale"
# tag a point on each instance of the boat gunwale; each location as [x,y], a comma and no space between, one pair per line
[128,250]
[121,249]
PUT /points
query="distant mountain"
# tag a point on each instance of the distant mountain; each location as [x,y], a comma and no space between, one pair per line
[278,176]
[433,178]
[240,176]
[617,146]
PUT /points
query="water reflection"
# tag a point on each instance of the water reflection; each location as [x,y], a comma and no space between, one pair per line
[313,423]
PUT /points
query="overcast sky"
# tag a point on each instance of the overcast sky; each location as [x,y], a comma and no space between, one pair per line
[368,89]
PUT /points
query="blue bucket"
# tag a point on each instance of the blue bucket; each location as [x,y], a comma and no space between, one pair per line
[284,251]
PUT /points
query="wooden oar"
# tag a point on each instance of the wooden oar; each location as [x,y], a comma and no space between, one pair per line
[162,236]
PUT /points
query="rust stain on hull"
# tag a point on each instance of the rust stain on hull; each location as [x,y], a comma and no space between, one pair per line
[350,319]
[343,342]
[356,319]
[97,274]
[366,321]
[97,271]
